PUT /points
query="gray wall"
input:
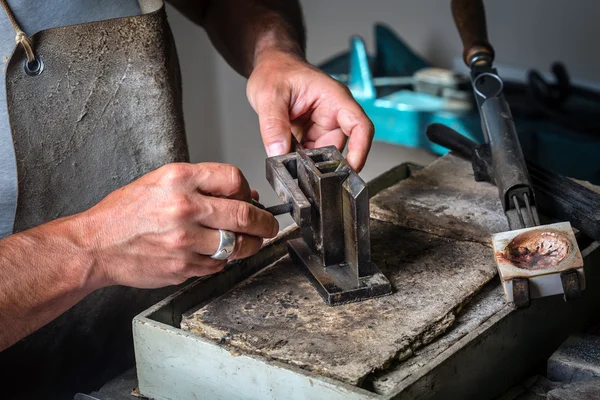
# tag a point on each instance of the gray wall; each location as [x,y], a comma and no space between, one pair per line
[529,33]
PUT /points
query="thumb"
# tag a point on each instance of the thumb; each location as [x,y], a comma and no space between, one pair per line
[275,127]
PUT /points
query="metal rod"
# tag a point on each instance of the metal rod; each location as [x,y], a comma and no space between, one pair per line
[518,208]
[280,209]
[532,215]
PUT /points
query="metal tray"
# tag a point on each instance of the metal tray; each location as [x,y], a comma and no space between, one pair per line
[490,347]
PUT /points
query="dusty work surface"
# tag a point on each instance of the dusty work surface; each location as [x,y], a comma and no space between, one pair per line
[443,199]
[435,265]
[488,302]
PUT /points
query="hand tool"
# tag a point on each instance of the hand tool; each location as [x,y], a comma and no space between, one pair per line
[275,210]
[532,261]
[330,204]
[556,196]
[510,171]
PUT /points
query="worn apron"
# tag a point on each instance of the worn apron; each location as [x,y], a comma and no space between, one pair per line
[105,110]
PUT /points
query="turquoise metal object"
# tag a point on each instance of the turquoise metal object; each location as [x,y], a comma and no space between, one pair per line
[400,116]
[385,85]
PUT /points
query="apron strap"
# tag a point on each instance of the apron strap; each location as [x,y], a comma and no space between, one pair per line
[146,6]
[21,38]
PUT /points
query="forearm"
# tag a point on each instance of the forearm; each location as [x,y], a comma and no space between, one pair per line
[242,30]
[43,272]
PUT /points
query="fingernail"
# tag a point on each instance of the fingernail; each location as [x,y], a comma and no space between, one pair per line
[353,162]
[275,149]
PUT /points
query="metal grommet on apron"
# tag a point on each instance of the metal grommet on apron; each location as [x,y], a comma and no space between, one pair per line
[34,67]
[92,107]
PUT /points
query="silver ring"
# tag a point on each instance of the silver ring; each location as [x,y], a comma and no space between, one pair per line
[226,245]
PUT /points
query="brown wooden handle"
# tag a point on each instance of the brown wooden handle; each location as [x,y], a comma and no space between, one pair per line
[469,17]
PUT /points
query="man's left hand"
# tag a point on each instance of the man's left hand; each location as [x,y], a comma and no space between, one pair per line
[289,95]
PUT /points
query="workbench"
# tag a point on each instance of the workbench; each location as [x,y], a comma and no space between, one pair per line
[259,330]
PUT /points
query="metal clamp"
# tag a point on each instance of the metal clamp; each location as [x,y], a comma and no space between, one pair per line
[330,204]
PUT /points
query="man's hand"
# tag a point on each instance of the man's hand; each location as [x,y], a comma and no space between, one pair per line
[289,95]
[154,232]
[265,41]
[161,229]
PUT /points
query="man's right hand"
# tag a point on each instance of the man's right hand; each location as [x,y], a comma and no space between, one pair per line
[161,229]
[157,231]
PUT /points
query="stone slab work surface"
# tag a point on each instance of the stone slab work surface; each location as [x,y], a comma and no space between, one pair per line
[443,199]
[588,389]
[435,266]
[576,359]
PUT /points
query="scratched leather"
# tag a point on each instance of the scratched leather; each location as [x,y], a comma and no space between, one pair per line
[106,110]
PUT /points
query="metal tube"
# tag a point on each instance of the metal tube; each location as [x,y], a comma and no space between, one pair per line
[534,218]
[519,213]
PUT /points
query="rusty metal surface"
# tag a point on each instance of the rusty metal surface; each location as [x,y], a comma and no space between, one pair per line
[521,294]
[539,262]
[278,314]
[571,284]
[281,173]
[536,251]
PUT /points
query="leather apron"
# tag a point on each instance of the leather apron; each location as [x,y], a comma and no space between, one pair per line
[105,110]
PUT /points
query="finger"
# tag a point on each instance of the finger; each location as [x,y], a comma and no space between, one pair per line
[204,266]
[335,138]
[208,241]
[275,126]
[200,260]
[215,179]
[236,216]
[300,126]
[196,239]
[255,195]
[209,270]
[309,145]
[357,126]
[246,246]
[223,180]
[202,241]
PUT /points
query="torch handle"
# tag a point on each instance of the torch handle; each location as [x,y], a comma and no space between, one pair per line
[469,17]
